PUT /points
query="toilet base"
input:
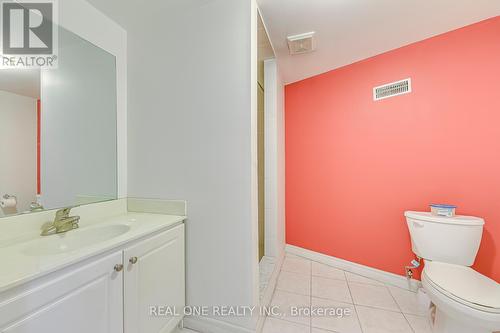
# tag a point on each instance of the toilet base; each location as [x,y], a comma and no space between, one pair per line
[445,324]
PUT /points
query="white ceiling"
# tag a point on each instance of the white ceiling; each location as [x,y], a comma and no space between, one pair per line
[25,82]
[351,30]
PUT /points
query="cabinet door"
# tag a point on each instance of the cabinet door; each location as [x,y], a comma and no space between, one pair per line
[81,300]
[154,276]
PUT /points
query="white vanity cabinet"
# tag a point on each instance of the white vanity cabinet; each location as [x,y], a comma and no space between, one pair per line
[154,277]
[109,294]
[82,300]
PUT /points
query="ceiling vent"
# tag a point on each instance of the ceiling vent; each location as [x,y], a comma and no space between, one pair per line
[303,43]
[392,89]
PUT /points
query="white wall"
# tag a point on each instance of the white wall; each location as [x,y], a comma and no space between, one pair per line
[190,122]
[275,160]
[280,162]
[18,121]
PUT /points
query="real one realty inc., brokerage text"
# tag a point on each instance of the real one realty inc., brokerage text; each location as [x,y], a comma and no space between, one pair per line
[243,311]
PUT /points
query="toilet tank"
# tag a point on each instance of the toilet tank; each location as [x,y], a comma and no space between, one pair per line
[453,240]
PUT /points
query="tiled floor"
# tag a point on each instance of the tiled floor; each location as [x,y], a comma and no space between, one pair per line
[266,268]
[185,330]
[374,307]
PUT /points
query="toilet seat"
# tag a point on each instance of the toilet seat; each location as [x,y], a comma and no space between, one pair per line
[464,285]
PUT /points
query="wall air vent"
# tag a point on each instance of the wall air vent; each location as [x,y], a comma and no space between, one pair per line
[392,89]
[303,43]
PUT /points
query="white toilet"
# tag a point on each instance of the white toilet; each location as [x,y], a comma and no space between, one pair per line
[466,301]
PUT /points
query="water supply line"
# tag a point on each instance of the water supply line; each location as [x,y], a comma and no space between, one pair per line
[414,264]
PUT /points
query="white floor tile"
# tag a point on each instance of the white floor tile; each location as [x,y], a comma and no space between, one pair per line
[336,290]
[273,325]
[379,308]
[382,321]
[266,265]
[371,295]
[294,282]
[318,330]
[296,265]
[285,300]
[327,271]
[407,301]
[184,330]
[361,279]
[347,324]
[419,324]
[266,268]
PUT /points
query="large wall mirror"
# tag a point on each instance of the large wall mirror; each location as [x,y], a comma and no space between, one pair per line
[58,130]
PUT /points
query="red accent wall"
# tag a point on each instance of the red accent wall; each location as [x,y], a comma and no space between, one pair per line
[353,166]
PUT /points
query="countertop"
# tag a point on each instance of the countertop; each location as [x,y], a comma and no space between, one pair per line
[18,267]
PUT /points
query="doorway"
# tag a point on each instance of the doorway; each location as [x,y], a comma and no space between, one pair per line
[264,53]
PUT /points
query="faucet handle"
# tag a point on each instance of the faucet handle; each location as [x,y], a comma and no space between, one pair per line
[48,229]
[62,213]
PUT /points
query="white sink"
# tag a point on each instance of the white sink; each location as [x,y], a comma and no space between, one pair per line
[74,240]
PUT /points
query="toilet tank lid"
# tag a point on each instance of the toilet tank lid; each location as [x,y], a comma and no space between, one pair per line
[457,219]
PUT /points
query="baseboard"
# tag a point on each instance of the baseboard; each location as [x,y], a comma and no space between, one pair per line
[210,325]
[366,271]
[268,294]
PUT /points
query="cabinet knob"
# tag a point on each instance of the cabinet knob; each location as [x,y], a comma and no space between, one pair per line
[133,260]
[118,267]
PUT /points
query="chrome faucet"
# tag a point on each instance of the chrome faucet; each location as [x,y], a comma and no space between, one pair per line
[62,223]
[35,207]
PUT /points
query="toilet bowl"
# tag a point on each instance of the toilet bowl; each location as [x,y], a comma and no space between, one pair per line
[466,301]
